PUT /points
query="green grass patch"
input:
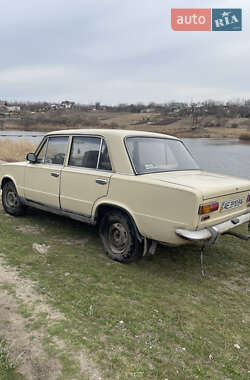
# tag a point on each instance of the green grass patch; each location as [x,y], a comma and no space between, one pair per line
[7,364]
[153,319]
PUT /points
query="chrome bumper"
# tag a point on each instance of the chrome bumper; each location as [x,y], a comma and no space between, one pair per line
[213,232]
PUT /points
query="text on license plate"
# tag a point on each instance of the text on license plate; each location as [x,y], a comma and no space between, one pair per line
[233,203]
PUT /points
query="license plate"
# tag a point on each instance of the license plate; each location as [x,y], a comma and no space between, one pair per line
[233,203]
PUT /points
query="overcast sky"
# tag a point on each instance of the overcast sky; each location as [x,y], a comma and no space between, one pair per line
[118,51]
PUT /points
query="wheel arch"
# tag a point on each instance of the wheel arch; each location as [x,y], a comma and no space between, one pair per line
[6,179]
[102,208]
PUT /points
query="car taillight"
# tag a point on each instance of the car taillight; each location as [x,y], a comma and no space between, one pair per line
[248,200]
[209,207]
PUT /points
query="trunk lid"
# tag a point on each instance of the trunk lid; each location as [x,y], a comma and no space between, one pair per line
[209,185]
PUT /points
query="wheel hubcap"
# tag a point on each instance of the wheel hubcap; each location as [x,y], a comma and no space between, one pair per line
[118,238]
[11,199]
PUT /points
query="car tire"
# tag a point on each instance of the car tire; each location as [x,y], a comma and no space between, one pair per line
[119,238]
[11,200]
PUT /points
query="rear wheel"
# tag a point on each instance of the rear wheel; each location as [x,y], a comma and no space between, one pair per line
[10,199]
[119,237]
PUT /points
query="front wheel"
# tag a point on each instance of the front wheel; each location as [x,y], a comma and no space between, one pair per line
[10,200]
[119,237]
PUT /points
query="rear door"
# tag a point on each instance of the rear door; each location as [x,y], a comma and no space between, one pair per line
[42,179]
[86,177]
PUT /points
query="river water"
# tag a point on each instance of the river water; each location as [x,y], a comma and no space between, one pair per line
[227,156]
[31,136]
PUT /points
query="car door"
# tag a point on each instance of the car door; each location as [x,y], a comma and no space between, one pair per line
[86,177]
[42,178]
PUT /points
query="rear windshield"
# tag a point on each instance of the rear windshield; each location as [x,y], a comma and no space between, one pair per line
[152,155]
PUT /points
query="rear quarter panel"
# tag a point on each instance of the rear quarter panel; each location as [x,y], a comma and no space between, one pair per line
[157,208]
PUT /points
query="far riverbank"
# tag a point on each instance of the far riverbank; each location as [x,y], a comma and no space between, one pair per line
[183,127]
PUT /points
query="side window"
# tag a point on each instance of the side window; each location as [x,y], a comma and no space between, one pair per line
[56,150]
[41,155]
[104,162]
[84,152]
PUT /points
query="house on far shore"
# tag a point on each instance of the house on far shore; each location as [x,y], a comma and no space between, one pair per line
[62,106]
[54,106]
[4,108]
[67,104]
[13,108]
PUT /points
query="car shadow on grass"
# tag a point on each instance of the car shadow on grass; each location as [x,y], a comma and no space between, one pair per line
[175,262]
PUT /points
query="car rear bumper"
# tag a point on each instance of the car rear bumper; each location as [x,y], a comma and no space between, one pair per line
[211,233]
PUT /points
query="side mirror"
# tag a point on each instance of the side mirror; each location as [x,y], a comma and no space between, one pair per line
[31,157]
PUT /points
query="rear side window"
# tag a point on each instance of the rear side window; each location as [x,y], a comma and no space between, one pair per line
[85,152]
[89,152]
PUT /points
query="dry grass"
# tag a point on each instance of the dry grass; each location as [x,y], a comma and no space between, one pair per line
[15,151]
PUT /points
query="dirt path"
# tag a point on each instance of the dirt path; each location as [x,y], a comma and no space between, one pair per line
[25,345]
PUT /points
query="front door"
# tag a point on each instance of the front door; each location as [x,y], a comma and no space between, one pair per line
[42,179]
[86,177]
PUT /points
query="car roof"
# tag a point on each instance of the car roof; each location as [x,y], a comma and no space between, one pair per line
[111,132]
[115,141]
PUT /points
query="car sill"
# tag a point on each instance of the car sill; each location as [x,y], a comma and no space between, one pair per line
[80,217]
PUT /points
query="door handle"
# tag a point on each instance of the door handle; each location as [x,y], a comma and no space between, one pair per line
[54,174]
[101,181]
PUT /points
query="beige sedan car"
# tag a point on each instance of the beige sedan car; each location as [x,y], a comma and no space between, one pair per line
[140,188]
